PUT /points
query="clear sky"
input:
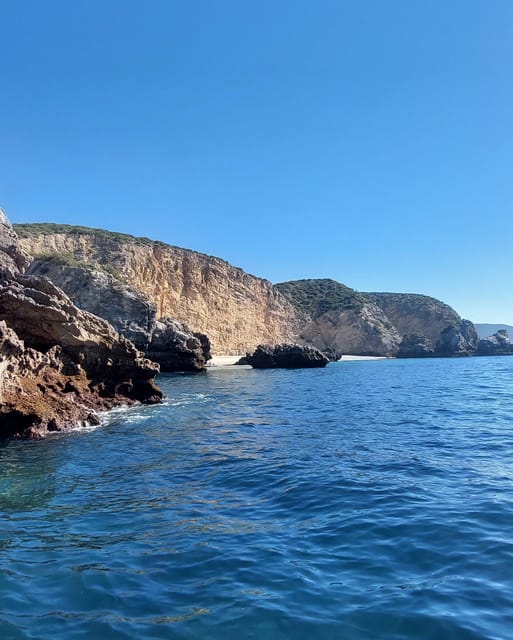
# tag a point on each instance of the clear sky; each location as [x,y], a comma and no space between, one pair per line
[370,141]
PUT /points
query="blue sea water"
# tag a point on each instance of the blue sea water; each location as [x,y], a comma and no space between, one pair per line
[365,500]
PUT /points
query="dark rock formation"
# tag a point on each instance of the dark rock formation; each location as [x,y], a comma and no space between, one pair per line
[132,314]
[497,345]
[175,348]
[415,346]
[331,354]
[485,330]
[58,364]
[459,340]
[287,356]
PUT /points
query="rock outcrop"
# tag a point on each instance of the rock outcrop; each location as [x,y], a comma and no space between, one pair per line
[337,317]
[58,364]
[439,326]
[286,356]
[485,330]
[498,344]
[176,348]
[168,342]
[12,257]
[235,309]
[415,346]
[457,340]
[238,311]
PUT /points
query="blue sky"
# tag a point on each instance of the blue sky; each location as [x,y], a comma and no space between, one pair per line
[366,141]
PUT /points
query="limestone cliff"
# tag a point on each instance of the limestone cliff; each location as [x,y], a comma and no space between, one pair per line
[131,313]
[341,319]
[236,310]
[415,315]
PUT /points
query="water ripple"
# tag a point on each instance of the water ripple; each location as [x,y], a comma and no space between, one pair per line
[367,500]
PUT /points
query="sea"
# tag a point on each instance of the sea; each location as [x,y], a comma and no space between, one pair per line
[367,500]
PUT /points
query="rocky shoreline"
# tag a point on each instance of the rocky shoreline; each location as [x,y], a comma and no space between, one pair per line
[59,364]
[79,333]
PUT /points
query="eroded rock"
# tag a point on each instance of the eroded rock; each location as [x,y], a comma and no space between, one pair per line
[176,348]
[286,356]
[168,342]
[59,364]
[498,344]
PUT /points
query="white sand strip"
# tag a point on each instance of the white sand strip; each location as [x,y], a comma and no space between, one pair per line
[347,358]
[223,361]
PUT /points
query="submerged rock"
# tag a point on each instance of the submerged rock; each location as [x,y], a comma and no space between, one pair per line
[287,356]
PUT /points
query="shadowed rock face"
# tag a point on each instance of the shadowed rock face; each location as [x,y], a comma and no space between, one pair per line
[415,346]
[286,356]
[175,348]
[12,257]
[459,340]
[58,364]
[168,342]
[496,345]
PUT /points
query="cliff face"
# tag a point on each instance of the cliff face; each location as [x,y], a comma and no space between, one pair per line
[341,319]
[58,364]
[414,316]
[236,310]
[239,311]
[166,342]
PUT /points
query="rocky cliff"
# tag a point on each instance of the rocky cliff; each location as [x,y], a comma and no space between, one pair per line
[236,310]
[443,331]
[131,313]
[58,364]
[339,318]
[498,344]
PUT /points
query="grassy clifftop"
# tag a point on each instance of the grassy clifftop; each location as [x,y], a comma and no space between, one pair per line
[49,228]
[319,296]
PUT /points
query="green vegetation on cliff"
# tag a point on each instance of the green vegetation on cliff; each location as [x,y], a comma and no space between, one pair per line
[49,228]
[69,260]
[319,296]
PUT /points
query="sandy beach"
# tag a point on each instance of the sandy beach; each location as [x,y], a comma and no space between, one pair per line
[227,360]
[223,361]
[348,358]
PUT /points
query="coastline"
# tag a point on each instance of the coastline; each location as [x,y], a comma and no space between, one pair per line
[355,358]
[226,360]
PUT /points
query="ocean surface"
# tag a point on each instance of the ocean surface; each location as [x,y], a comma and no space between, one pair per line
[365,500]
